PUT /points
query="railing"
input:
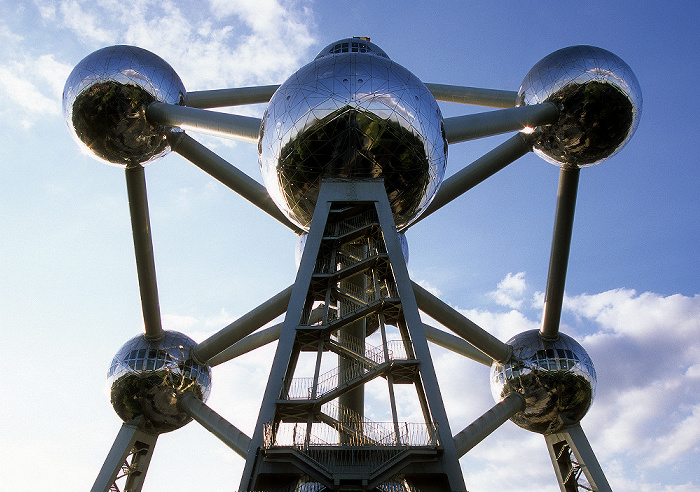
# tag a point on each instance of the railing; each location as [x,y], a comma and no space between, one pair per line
[350,224]
[329,436]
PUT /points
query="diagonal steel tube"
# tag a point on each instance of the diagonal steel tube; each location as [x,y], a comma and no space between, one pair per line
[243,326]
[452,319]
[473,126]
[230,176]
[244,128]
[487,165]
[478,430]
[143,248]
[214,423]
[247,344]
[559,257]
[476,96]
[455,344]
[238,96]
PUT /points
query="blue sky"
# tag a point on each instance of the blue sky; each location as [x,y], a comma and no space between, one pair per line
[69,297]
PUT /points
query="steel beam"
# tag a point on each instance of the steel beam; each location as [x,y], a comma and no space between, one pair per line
[230,176]
[479,170]
[458,323]
[559,257]
[479,125]
[143,248]
[230,97]
[493,98]
[243,326]
[214,423]
[244,128]
[477,431]
[455,344]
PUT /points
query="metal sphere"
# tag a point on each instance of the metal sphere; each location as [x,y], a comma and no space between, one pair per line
[147,376]
[105,100]
[599,99]
[556,378]
[352,113]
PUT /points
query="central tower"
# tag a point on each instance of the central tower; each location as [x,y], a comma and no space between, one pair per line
[351,147]
[352,322]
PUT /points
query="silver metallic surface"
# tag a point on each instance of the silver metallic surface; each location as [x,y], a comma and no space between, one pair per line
[600,102]
[556,378]
[353,114]
[147,376]
[105,100]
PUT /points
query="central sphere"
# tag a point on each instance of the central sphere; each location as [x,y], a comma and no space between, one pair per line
[556,378]
[147,376]
[352,113]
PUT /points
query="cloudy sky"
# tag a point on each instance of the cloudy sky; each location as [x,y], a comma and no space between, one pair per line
[68,291]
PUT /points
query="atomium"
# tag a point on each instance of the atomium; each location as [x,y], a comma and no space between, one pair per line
[352,116]
[599,99]
[105,100]
[556,379]
[146,378]
[352,113]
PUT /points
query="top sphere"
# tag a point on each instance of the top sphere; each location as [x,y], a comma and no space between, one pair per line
[599,101]
[105,100]
[352,113]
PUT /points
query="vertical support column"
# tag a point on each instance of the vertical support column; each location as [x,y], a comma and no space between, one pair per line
[571,455]
[559,257]
[143,247]
[127,459]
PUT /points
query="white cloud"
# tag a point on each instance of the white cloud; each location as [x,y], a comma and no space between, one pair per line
[510,291]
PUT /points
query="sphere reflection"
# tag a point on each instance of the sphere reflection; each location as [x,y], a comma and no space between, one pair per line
[600,103]
[352,113]
[557,380]
[147,376]
[105,100]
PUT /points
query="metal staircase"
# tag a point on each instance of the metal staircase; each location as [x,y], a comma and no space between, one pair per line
[312,426]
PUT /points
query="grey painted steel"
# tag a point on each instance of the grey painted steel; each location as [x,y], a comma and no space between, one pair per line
[238,96]
[143,248]
[458,323]
[247,344]
[455,344]
[244,128]
[230,176]
[243,326]
[478,430]
[476,96]
[473,126]
[559,257]
[285,345]
[585,458]
[367,191]
[129,436]
[487,165]
[214,423]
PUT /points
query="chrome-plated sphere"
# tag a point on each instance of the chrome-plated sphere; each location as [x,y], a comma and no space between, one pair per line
[599,99]
[556,378]
[352,113]
[105,100]
[147,376]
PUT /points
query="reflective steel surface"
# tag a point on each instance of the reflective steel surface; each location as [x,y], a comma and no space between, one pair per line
[557,380]
[146,376]
[105,100]
[352,113]
[600,102]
